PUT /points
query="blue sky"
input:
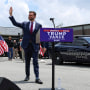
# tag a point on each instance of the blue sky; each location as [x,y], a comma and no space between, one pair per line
[65,12]
[6,1]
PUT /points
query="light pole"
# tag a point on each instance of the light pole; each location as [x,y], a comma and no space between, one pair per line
[53,60]
[53,64]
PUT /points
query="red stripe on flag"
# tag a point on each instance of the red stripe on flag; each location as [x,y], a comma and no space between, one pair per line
[3,47]
[1,50]
[41,51]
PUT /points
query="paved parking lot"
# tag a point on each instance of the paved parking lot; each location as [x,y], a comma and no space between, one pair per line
[73,76]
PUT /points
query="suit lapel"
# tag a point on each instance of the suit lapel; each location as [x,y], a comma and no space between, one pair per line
[36,28]
[28,26]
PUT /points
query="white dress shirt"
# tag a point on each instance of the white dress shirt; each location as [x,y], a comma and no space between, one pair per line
[34,23]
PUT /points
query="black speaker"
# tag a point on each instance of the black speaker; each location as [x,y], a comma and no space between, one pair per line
[6,84]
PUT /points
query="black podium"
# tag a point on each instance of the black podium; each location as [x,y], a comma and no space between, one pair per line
[53,72]
[55,35]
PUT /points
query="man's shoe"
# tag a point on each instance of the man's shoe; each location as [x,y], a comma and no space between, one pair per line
[26,79]
[39,81]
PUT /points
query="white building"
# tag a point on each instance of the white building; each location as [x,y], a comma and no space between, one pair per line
[14,32]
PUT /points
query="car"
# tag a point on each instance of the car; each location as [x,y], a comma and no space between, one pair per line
[76,51]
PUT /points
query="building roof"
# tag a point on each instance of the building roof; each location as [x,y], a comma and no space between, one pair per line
[76,27]
[85,25]
[79,25]
[13,31]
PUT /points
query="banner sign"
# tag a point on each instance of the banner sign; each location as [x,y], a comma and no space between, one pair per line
[56,35]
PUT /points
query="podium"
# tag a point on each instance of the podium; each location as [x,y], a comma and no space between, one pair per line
[55,35]
[53,72]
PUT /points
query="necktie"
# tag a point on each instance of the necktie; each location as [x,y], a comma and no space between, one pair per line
[31,28]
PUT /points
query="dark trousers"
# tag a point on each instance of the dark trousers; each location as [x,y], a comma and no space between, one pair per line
[10,53]
[20,54]
[30,52]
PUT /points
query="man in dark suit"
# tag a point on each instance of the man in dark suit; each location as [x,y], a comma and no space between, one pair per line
[29,44]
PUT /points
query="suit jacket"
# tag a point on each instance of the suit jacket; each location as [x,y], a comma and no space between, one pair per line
[26,33]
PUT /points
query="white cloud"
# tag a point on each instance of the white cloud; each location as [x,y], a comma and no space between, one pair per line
[20,11]
[66,12]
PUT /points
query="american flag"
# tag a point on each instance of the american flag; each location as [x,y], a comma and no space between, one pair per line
[41,51]
[3,46]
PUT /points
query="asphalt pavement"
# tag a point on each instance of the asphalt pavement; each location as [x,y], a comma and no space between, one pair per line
[72,76]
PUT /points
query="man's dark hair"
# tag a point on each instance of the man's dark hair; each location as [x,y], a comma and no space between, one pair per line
[32,12]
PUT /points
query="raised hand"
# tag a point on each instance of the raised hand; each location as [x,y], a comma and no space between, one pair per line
[10,11]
